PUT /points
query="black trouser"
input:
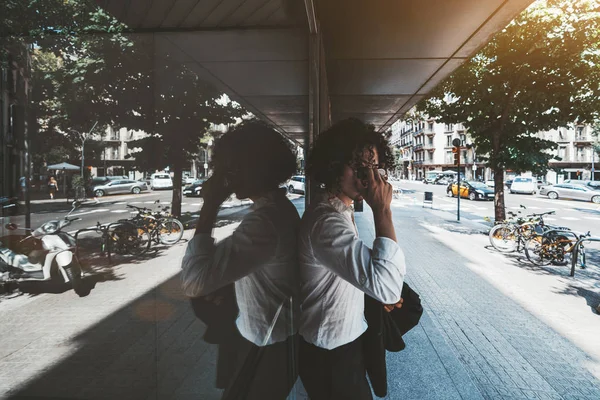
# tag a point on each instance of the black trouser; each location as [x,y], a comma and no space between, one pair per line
[334,374]
[263,373]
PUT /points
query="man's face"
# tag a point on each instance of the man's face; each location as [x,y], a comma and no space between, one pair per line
[352,182]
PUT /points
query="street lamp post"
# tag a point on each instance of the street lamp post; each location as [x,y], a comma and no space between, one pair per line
[83,138]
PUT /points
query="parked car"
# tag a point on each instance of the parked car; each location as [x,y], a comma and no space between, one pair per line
[490,183]
[472,190]
[9,206]
[591,184]
[188,180]
[571,191]
[119,186]
[195,189]
[541,183]
[296,184]
[508,183]
[523,184]
[161,181]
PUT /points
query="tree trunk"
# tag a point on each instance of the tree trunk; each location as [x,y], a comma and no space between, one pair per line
[176,201]
[499,208]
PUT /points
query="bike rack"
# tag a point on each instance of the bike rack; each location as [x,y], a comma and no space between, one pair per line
[579,238]
[575,252]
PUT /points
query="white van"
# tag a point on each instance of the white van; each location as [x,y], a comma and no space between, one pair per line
[161,181]
[524,184]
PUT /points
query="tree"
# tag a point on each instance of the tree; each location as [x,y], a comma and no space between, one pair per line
[184,109]
[539,73]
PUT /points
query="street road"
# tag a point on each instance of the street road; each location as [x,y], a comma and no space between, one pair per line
[108,209]
[580,216]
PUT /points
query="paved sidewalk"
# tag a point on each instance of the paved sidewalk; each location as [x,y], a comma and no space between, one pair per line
[135,336]
[517,331]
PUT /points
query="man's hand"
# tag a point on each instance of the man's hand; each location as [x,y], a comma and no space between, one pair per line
[390,307]
[378,193]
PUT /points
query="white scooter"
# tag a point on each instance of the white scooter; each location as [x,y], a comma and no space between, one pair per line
[48,254]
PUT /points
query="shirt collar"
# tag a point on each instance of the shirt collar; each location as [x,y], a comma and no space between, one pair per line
[334,201]
[270,197]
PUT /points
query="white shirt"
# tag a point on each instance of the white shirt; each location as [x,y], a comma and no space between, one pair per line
[260,257]
[336,269]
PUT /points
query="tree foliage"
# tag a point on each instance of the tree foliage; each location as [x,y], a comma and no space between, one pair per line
[88,67]
[539,73]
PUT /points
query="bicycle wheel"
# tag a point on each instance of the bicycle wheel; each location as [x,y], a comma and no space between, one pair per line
[140,241]
[504,238]
[538,250]
[127,238]
[170,231]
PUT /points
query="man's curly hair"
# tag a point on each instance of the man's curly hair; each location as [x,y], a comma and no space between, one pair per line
[343,144]
[256,147]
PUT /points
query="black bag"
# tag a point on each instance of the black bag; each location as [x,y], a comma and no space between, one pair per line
[385,332]
[219,319]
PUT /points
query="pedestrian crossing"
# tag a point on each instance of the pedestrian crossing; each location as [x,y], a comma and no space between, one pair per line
[450,204]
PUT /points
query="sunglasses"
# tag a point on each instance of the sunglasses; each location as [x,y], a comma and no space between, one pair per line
[362,171]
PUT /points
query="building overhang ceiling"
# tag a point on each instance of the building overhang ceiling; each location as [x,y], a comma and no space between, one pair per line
[382,57]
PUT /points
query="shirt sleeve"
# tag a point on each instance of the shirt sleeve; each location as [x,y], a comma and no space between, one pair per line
[378,272]
[208,266]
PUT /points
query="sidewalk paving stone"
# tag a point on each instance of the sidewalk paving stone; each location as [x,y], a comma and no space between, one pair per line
[137,338]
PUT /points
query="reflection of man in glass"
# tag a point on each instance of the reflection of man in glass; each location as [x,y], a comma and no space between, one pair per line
[336,267]
[259,257]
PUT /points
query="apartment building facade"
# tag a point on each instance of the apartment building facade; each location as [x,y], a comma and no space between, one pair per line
[426,145]
[575,155]
[116,147]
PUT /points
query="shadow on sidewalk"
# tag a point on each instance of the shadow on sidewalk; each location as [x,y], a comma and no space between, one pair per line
[150,348]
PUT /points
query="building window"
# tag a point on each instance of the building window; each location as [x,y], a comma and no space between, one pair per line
[431,126]
[463,139]
[448,140]
[448,127]
[115,153]
[562,152]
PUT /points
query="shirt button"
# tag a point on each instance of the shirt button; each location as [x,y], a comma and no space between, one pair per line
[363,279]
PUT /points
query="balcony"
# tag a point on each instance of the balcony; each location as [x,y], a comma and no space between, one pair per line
[429,132]
[429,146]
[418,147]
[418,132]
[582,139]
[417,162]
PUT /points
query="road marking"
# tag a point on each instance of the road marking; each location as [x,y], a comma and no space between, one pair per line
[122,202]
[90,212]
[135,202]
[119,211]
[183,204]
[571,218]
[195,204]
[148,202]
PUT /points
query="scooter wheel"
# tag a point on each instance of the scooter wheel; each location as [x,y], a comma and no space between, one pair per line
[78,285]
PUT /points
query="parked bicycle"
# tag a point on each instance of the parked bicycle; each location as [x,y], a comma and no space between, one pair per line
[162,226]
[554,246]
[123,237]
[512,234]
